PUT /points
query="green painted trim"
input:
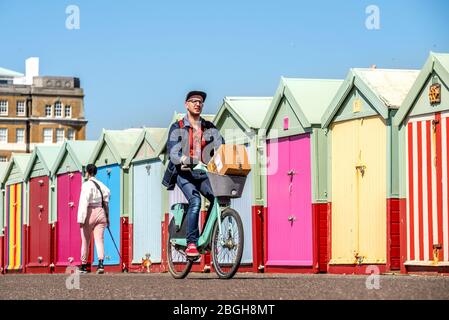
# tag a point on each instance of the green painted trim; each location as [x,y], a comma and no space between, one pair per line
[126,191]
[296,108]
[14,181]
[287,133]
[54,202]
[319,165]
[338,100]
[135,149]
[263,170]
[432,65]
[314,165]
[372,97]
[37,160]
[131,194]
[393,156]
[104,139]
[354,116]
[258,194]
[65,150]
[26,213]
[328,134]
[402,161]
[353,80]
[122,190]
[277,98]
[389,159]
[226,106]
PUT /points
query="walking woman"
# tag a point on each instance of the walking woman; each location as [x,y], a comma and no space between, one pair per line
[93,217]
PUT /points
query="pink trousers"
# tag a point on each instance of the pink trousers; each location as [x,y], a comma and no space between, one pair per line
[95,222]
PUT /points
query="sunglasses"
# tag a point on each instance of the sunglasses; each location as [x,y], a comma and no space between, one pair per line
[195,101]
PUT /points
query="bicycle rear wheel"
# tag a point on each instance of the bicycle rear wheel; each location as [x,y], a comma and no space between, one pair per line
[227,246]
[178,264]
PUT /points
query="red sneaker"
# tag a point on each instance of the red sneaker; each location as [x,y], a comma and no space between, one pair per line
[192,251]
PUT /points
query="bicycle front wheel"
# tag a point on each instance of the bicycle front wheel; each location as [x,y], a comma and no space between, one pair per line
[227,245]
[178,263]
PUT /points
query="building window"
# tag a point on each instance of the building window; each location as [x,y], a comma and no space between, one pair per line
[48,110]
[59,135]
[20,135]
[3,108]
[58,109]
[48,135]
[71,134]
[3,135]
[3,159]
[68,111]
[20,108]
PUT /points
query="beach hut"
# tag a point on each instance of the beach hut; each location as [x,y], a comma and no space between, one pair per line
[109,155]
[37,178]
[15,209]
[67,177]
[295,216]
[423,121]
[169,198]
[3,166]
[363,174]
[239,120]
[146,215]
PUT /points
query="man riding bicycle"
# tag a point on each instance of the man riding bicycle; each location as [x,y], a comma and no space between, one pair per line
[191,140]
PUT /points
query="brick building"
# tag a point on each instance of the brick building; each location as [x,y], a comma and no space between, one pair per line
[38,110]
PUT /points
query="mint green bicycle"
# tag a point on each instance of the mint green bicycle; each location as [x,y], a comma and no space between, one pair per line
[222,234]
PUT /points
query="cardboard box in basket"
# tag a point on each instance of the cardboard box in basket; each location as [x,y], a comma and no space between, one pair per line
[230,159]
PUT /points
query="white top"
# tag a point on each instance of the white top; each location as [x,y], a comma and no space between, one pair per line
[91,196]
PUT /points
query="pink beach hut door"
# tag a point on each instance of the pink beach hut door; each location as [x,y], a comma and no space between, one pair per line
[68,235]
[289,202]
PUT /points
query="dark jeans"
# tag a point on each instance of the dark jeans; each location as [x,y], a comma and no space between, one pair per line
[192,189]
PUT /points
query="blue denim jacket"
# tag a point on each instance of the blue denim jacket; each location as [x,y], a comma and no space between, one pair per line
[178,145]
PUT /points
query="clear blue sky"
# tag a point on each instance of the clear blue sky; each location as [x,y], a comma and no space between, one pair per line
[137,59]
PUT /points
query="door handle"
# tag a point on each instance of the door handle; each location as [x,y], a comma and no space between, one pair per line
[41,182]
[291,173]
[71,204]
[40,207]
[434,125]
[291,219]
[361,168]
[70,259]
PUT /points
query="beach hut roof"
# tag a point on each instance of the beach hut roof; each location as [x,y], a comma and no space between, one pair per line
[309,98]
[438,63]
[151,135]
[249,111]
[79,150]
[20,160]
[47,155]
[385,89]
[120,142]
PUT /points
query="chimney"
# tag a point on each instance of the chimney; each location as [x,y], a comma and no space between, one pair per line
[31,69]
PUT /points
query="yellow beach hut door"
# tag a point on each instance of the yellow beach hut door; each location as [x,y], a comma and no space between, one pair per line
[359,191]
